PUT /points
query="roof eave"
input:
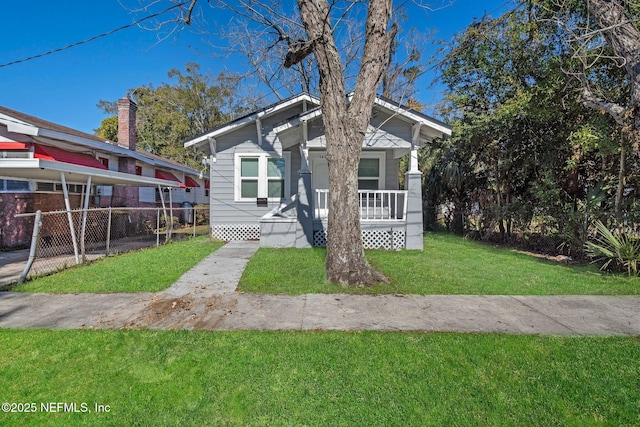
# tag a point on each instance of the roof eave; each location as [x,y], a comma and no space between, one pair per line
[203,139]
[29,169]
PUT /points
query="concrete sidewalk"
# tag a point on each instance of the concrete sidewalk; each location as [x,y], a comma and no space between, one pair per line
[12,265]
[206,298]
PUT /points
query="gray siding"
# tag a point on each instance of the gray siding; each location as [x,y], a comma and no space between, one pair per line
[393,125]
[391,172]
[224,208]
[393,133]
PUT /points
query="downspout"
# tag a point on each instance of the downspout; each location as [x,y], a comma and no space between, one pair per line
[72,229]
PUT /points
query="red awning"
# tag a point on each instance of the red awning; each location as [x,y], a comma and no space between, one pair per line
[50,153]
[206,184]
[190,182]
[160,174]
[14,146]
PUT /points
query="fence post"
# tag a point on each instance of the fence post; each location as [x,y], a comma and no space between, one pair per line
[34,244]
[85,209]
[72,228]
[109,231]
[193,212]
[158,227]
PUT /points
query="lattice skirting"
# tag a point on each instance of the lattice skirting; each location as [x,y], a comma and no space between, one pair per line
[371,239]
[228,232]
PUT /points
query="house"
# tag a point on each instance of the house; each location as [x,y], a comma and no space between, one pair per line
[269,175]
[48,167]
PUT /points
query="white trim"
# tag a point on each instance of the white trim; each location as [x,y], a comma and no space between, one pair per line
[4,189]
[196,142]
[58,139]
[18,126]
[305,117]
[381,156]
[47,170]
[441,127]
[262,175]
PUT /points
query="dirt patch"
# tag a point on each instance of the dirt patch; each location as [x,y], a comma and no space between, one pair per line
[556,258]
[185,312]
[224,305]
[160,309]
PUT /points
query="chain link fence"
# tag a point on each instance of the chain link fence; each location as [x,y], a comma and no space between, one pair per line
[65,238]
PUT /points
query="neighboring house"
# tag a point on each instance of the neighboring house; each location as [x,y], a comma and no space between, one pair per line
[269,175]
[37,157]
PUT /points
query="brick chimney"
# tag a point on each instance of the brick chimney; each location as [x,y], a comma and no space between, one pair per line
[125,195]
[127,123]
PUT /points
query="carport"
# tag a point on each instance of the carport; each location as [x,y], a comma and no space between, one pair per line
[76,168]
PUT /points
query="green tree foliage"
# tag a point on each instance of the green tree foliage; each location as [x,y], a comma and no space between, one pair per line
[529,150]
[109,128]
[174,112]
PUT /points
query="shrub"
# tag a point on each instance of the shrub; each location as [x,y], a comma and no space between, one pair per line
[174,220]
[614,250]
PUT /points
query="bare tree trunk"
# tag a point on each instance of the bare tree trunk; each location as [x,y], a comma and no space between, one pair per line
[621,182]
[622,34]
[345,126]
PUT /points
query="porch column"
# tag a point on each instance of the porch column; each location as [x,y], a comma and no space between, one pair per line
[304,203]
[413,185]
[213,158]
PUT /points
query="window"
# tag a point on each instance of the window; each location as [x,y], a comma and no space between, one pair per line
[138,170]
[261,176]
[14,186]
[249,177]
[371,170]
[275,177]
[369,174]
[57,187]
[46,186]
[104,161]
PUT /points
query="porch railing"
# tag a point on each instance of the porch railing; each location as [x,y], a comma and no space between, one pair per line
[375,205]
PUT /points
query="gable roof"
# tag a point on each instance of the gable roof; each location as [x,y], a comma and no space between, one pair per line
[70,145]
[25,124]
[19,122]
[430,128]
[249,118]
[413,115]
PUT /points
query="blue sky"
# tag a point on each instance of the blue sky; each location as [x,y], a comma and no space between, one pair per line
[64,87]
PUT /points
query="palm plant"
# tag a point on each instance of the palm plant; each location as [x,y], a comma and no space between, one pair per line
[614,250]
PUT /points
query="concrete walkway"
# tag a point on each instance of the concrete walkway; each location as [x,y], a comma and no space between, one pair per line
[206,298]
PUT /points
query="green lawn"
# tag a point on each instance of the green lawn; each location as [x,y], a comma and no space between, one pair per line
[154,378]
[147,270]
[448,265]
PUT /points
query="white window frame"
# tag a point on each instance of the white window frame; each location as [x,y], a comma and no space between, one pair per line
[57,188]
[381,156]
[4,189]
[262,176]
